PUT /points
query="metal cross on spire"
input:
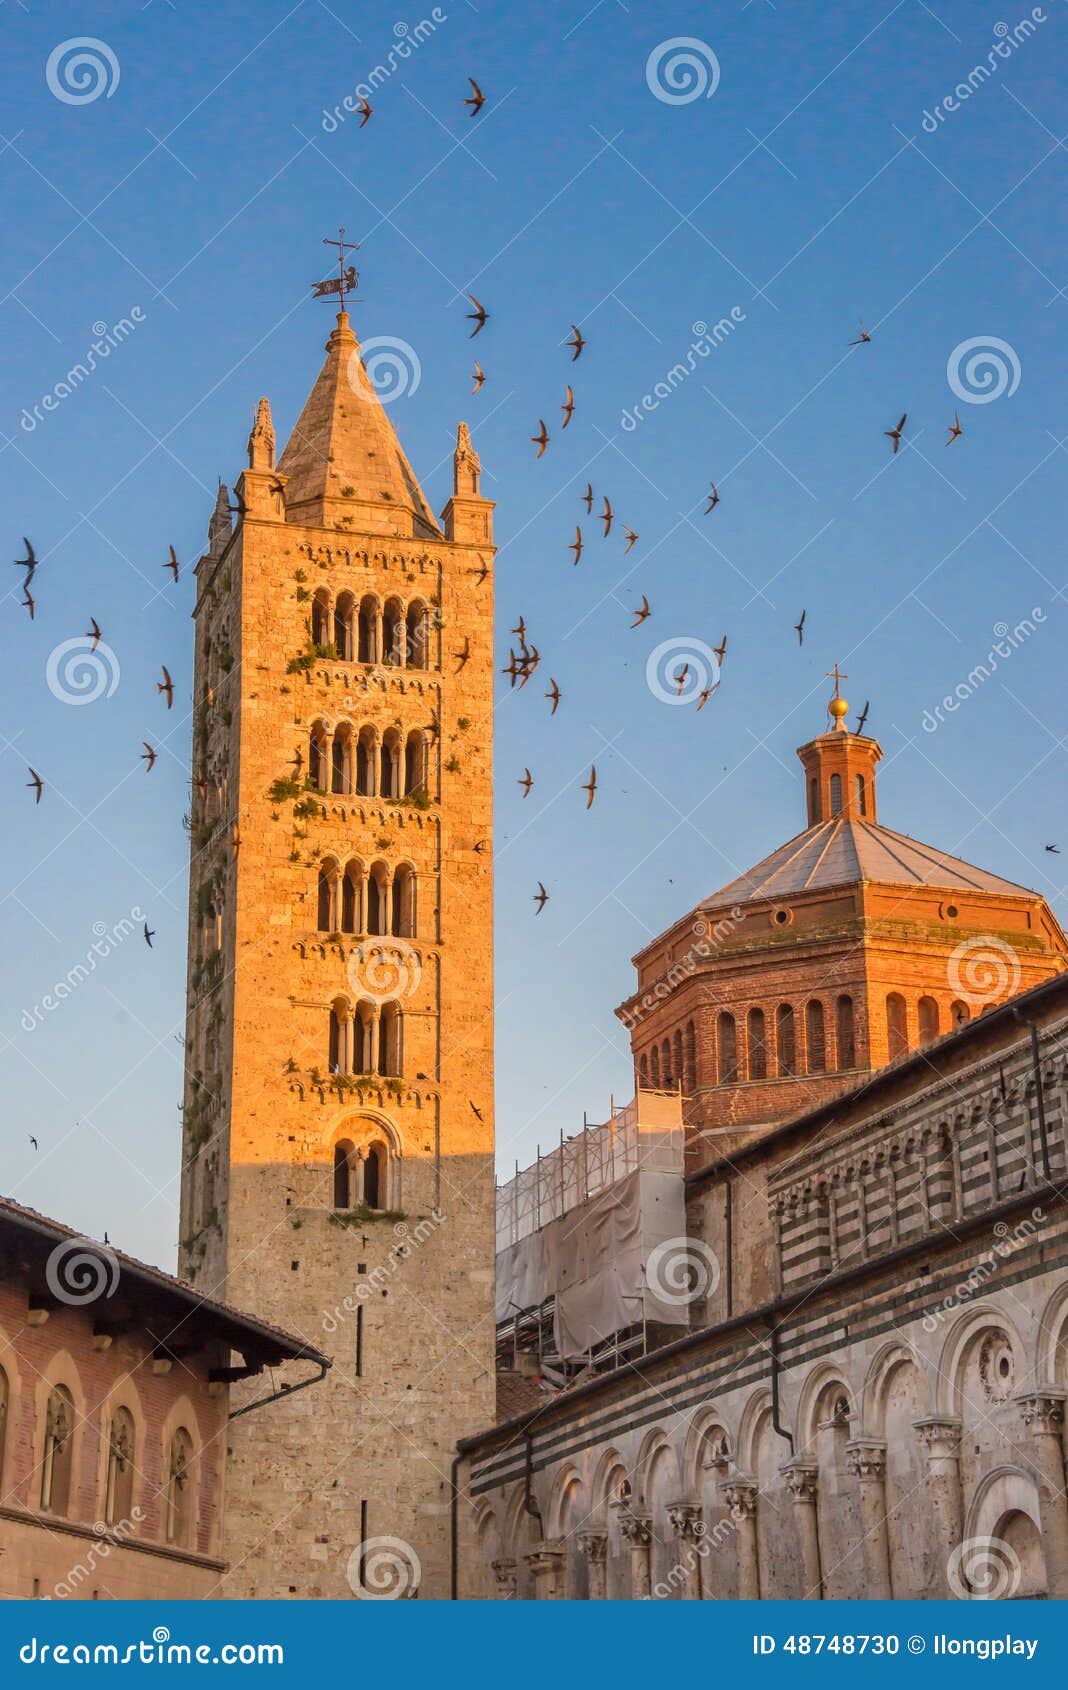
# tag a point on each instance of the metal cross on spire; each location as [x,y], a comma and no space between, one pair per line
[837,676]
[344,283]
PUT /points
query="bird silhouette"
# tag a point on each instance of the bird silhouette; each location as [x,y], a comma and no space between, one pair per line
[955,431]
[36,783]
[172,562]
[237,509]
[894,434]
[526,783]
[631,538]
[799,628]
[576,341]
[28,600]
[511,668]
[863,718]
[475,1110]
[28,563]
[541,439]
[680,678]
[606,517]
[591,786]
[527,666]
[568,407]
[148,757]
[641,614]
[479,377]
[721,649]
[463,654]
[1056,850]
[32,1140]
[479,316]
[478,98]
[541,897]
[554,694]
[862,337]
[587,497]
[705,694]
[520,630]
[576,544]
[365,108]
[93,632]
[149,936]
[166,686]
[479,846]
[713,499]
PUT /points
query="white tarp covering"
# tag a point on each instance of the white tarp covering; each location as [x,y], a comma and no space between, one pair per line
[592,1261]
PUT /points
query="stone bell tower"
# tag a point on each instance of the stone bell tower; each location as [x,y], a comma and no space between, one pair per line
[338,1115]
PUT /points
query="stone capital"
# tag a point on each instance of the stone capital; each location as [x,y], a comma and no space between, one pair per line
[740,1493]
[1042,1409]
[551,1552]
[867,1458]
[802,1480]
[504,1571]
[637,1529]
[940,1436]
[593,1544]
[685,1517]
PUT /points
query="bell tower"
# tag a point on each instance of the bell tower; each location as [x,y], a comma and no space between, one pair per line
[338,1114]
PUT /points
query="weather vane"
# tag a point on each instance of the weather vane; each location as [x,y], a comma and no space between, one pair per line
[346,279]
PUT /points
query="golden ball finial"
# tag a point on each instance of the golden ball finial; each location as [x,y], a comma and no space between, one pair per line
[838,708]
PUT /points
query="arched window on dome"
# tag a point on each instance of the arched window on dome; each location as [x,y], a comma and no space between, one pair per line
[845,1036]
[785,1040]
[928,1013]
[861,790]
[815,1037]
[690,1075]
[726,1049]
[643,1070]
[676,1058]
[665,1064]
[813,802]
[756,1039]
[897,1026]
[654,1066]
[836,795]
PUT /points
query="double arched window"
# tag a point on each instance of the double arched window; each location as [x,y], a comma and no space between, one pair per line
[366,762]
[357,899]
[365,1038]
[363,1174]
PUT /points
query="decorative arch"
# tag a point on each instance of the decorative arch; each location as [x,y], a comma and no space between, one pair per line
[1005,1514]
[965,1333]
[877,1381]
[371,1148]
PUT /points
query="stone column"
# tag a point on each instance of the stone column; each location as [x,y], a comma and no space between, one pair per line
[940,1436]
[867,1461]
[686,1523]
[740,1493]
[637,1532]
[548,1562]
[594,1545]
[504,1572]
[802,1481]
[1042,1412]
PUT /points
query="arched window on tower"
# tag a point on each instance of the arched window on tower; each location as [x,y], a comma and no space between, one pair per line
[756,1039]
[785,1039]
[643,1070]
[959,1012]
[928,1016]
[813,803]
[726,1049]
[897,1026]
[665,1064]
[676,1058]
[118,1493]
[341,760]
[57,1462]
[352,898]
[325,910]
[654,1067]
[180,1490]
[415,779]
[344,627]
[389,774]
[319,757]
[321,618]
[375,1169]
[836,795]
[690,1075]
[418,635]
[844,1034]
[862,795]
[402,924]
[336,1045]
[368,626]
[393,633]
[365,763]
[378,899]
[389,1039]
[815,1038]
[344,1174]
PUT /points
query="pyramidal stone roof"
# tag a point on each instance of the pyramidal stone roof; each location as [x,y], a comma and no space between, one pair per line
[343,464]
[845,850]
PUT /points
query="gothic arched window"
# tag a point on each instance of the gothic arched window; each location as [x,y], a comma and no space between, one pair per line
[690,1075]
[756,1039]
[845,1036]
[836,795]
[57,1462]
[118,1498]
[815,1039]
[180,1490]
[785,1039]
[897,1027]
[862,796]
[726,1049]
[928,1014]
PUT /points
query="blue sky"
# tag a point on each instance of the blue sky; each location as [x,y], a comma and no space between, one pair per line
[805,193]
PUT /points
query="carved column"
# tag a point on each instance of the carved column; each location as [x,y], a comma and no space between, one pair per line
[740,1493]
[504,1572]
[940,1436]
[1042,1412]
[637,1532]
[802,1481]
[594,1545]
[867,1461]
[548,1562]
[686,1523]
